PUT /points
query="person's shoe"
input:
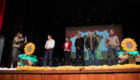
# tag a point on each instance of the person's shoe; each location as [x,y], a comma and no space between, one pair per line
[108,64]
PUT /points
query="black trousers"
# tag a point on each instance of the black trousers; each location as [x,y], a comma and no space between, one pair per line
[50,54]
[80,53]
[67,57]
[110,51]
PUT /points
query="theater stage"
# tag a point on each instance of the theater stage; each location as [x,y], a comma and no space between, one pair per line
[93,74]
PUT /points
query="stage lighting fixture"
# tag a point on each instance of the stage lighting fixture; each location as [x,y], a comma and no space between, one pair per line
[79,11]
[94,10]
[91,10]
[109,10]
[103,19]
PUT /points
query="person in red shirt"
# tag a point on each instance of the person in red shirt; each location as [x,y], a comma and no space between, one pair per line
[67,50]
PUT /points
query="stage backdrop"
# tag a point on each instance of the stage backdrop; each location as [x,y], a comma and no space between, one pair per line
[100,33]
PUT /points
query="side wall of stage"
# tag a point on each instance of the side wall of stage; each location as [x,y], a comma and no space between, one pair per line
[114,74]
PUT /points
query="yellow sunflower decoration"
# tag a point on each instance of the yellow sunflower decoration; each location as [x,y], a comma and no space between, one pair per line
[128,44]
[29,48]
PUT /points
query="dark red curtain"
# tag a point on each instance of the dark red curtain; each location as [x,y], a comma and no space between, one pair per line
[2,7]
[71,33]
[74,33]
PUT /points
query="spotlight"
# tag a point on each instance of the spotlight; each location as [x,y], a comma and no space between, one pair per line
[94,10]
[79,11]
[73,21]
[103,19]
[58,22]
[109,10]
[95,20]
[87,20]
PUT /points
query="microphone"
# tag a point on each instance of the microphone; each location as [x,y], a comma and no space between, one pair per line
[26,39]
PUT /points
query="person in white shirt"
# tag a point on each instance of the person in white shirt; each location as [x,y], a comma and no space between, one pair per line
[49,46]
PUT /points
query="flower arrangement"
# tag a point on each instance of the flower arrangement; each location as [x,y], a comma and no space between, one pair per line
[129,52]
[28,58]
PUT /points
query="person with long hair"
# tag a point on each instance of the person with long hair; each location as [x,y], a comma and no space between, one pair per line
[18,43]
[67,50]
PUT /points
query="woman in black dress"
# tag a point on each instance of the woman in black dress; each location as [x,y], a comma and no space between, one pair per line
[18,43]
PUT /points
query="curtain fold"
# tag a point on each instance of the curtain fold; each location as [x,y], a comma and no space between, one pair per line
[2,8]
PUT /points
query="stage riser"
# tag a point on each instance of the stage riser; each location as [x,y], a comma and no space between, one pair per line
[114,76]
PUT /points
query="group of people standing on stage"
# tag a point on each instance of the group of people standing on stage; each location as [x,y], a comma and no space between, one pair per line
[112,43]
[91,45]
